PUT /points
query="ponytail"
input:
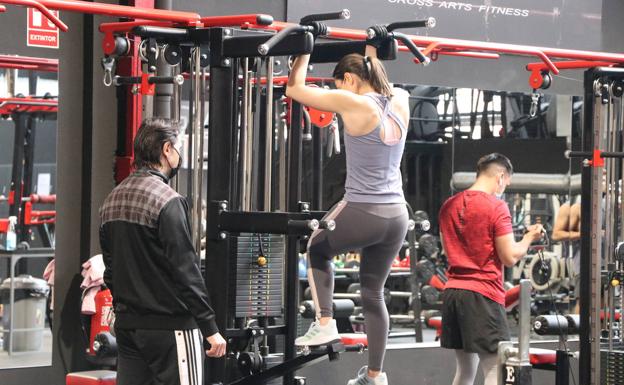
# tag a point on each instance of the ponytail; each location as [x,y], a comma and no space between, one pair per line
[378,77]
[369,69]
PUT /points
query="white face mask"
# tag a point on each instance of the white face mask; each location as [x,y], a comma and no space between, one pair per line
[501,188]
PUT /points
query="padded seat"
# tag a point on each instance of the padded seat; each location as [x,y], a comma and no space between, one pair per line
[354,339]
[92,377]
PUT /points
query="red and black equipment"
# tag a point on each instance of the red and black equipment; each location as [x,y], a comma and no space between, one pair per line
[101,341]
[25,112]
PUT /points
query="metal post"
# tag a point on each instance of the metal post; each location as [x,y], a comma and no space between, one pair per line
[282,133]
[12,263]
[163,96]
[256,157]
[591,249]
[268,149]
[294,196]
[198,140]
[415,285]
[524,339]
[221,123]
[317,168]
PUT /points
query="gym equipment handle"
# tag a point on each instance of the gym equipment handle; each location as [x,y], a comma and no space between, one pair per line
[266,47]
[412,47]
[428,23]
[121,80]
[586,154]
[160,32]
[302,225]
[341,15]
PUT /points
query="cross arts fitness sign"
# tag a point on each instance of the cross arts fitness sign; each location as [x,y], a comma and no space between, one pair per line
[570,24]
[41,32]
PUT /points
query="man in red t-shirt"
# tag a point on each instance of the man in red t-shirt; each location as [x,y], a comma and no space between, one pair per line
[476,232]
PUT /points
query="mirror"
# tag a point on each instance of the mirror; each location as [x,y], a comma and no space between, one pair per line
[450,129]
[28,128]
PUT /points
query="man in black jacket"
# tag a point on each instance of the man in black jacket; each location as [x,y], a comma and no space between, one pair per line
[162,307]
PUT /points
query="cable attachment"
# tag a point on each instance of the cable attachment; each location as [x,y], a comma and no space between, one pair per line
[376,35]
[535,98]
[317,28]
[108,63]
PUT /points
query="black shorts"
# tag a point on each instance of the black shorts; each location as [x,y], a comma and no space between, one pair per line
[472,322]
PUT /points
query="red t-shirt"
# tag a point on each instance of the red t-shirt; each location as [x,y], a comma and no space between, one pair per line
[469,223]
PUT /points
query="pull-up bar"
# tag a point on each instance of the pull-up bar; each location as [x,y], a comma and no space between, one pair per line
[477,49]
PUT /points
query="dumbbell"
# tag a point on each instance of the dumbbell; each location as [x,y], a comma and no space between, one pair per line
[105,345]
[429,295]
[428,314]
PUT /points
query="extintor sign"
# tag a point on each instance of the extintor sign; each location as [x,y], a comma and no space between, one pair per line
[41,32]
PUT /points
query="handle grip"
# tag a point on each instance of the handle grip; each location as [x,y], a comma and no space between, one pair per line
[340,15]
[124,80]
[412,47]
[303,225]
[266,47]
[427,23]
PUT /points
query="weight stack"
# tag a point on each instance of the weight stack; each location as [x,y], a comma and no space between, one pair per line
[612,367]
[259,287]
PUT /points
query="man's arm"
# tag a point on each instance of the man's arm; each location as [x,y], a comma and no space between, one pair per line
[175,235]
[509,251]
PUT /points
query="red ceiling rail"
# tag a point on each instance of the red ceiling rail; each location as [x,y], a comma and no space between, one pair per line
[475,55]
[28,104]
[42,8]
[29,63]
[572,64]
[187,18]
[211,21]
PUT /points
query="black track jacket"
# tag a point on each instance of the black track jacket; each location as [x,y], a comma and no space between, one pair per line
[151,265]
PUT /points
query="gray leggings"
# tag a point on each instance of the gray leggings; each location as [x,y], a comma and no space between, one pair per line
[378,230]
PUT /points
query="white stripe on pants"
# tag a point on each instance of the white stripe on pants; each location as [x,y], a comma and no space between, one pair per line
[190,348]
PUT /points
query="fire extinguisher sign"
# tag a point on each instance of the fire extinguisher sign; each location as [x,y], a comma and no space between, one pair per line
[41,32]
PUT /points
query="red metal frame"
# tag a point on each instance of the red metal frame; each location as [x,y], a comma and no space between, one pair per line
[110,29]
[539,70]
[42,8]
[188,18]
[33,217]
[38,217]
[29,63]
[27,104]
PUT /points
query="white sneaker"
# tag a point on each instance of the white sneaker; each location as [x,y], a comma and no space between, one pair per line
[363,378]
[319,335]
